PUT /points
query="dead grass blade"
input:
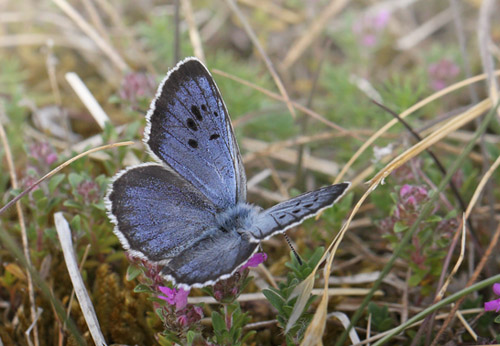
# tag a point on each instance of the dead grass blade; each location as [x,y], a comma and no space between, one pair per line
[64,233]
[194,34]
[93,34]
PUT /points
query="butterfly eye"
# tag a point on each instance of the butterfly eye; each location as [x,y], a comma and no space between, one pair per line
[193,144]
[191,124]
[196,111]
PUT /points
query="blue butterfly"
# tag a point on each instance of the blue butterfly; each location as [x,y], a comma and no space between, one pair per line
[188,211]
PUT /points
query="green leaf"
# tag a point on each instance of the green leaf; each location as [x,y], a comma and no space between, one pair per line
[74,179]
[434,218]
[55,181]
[38,194]
[75,223]
[143,289]
[190,336]
[132,272]
[274,298]
[72,204]
[400,227]
[218,322]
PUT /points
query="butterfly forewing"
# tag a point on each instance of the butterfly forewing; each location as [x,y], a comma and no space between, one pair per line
[189,130]
[157,213]
[284,215]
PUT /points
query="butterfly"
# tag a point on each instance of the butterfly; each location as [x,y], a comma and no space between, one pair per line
[187,211]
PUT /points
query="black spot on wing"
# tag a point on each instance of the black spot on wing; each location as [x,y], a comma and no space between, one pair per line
[196,111]
[193,144]
[192,124]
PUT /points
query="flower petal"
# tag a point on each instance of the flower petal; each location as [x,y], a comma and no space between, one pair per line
[493,305]
[255,260]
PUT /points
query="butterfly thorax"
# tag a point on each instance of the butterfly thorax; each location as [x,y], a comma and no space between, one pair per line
[239,218]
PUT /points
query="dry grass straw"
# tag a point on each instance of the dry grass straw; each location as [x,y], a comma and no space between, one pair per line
[194,34]
[87,98]
[87,308]
[105,47]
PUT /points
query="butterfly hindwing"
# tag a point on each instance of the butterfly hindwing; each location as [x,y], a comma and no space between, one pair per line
[189,129]
[284,215]
[157,214]
[213,258]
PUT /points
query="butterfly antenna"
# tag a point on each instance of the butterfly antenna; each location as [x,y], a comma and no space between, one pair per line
[293,250]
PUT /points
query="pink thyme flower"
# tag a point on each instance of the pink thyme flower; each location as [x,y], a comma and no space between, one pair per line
[494,305]
[370,27]
[442,73]
[255,260]
[43,153]
[174,296]
[136,85]
[89,190]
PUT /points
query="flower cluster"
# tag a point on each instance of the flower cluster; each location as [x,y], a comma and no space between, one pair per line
[442,73]
[178,313]
[370,28]
[137,87]
[43,153]
[89,190]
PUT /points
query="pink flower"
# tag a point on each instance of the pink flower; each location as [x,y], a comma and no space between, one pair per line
[405,189]
[174,296]
[136,85]
[442,73]
[369,27]
[43,153]
[494,305]
[255,260]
